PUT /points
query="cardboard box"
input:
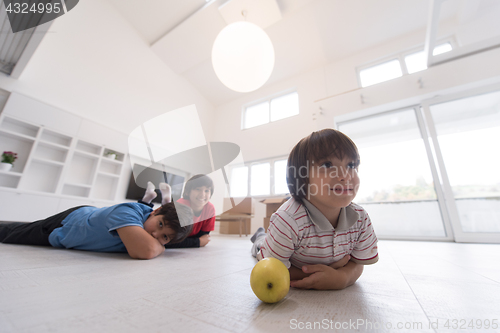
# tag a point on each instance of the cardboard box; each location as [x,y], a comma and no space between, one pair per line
[272,204]
[232,227]
[245,206]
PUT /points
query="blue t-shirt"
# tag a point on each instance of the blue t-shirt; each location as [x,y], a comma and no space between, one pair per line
[94,229]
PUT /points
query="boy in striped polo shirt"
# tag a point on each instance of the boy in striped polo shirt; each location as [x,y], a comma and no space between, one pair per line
[320,234]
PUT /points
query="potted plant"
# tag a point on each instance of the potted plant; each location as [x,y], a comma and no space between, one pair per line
[111,154]
[8,158]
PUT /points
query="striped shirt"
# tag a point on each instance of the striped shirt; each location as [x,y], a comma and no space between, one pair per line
[299,234]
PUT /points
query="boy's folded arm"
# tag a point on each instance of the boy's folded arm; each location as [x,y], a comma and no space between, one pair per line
[326,277]
[353,271]
[139,243]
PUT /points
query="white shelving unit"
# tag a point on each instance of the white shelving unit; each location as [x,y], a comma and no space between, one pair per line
[58,164]
[61,163]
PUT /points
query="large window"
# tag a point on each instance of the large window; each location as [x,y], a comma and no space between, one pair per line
[264,178]
[270,110]
[239,182]
[260,181]
[397,186]
[468,133]
[280,185]
[431,171]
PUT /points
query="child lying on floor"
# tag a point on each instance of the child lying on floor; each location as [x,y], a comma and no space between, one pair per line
[322,237]
[197,193]
[128,227]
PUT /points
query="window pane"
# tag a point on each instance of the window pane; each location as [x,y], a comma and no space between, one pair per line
[280,186]
[415,62]
[380,73]
[256,115]
[397,187]
[468,134]
[285,106]
[261,179]
[443,48]
[239,182]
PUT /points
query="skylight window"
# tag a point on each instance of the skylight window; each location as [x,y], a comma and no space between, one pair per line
[257,115]
[271,110]
[285,106]
[443,48]
[391,69]
[384,72]
[415,62]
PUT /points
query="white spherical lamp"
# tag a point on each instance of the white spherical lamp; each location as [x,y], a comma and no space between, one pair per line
[243,56]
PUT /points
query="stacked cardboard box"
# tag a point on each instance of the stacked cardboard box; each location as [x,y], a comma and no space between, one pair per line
[230,219]
[272,205]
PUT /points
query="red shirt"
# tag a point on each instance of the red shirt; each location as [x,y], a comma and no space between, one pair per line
[206,220]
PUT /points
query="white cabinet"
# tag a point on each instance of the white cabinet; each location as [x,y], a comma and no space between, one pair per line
[63,161]
[56,165]
[36,112]
[27,207]
[52,162]
[93,172]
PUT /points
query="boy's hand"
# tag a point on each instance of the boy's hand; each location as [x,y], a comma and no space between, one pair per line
[204,240]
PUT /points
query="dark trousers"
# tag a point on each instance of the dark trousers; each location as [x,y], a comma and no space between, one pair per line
[34,233]
[146,203]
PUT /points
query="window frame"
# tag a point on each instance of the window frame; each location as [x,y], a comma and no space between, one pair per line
[249,165]
[267,99]
[442,185]
[401,57]
[376,63]
[451,40]
[422,125]
[459,235]
[237,166]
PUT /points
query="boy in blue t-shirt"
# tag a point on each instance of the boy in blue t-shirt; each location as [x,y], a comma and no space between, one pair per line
[128,227]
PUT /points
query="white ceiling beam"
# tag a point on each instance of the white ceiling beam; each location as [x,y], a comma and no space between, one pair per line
[467,50]
[190,43]
[459,51]
[263,13]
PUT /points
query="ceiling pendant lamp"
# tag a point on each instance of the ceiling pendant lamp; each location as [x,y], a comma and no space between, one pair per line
[243,56]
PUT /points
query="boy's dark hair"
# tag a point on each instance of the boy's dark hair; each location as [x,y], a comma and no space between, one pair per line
[310,150]
[179,218]
[197,181]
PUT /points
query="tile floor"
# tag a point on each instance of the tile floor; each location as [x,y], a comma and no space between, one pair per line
[420,286]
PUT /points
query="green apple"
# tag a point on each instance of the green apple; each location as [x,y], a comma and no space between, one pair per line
[270,280]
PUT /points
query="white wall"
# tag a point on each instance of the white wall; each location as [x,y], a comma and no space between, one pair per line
[94,64]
